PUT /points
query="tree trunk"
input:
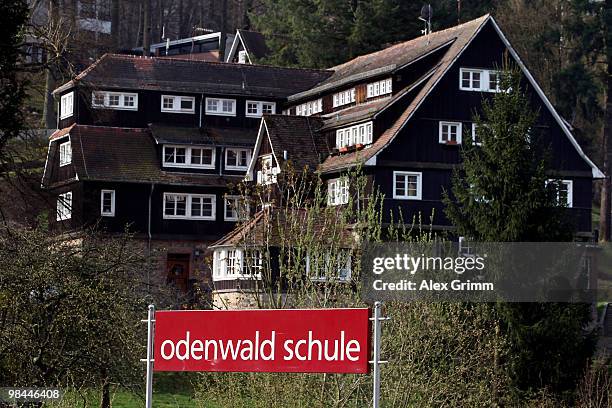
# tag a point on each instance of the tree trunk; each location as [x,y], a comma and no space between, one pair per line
[115,24]
[105,400]
[605,209]
[146,28]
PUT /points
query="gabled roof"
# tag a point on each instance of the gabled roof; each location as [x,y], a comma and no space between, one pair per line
[113,71]
[253,42]
[126,155]
[298,136]
[220,136]
[389,60]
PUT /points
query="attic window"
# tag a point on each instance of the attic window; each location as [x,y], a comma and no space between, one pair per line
[344,97]
[221,107]
[268,173]
[338,191]
[178,104]
[379,88]
[483,80]
[309,108]
[189,156]
[255,109]
[65,151]
[354,135]
[564,192]
[115,100]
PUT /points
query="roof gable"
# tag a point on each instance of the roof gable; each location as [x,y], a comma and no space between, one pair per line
[463,40]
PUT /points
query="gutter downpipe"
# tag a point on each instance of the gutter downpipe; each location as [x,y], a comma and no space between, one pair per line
[201,103]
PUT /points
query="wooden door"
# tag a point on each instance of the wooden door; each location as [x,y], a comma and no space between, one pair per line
[178,271]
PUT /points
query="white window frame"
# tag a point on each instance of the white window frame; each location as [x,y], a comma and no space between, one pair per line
[110,213]
[237,151]
[221,271]
[474,138]
[459,127]
[485,76]
[236,208]
[309,108]
[67,105]
[267,175]
[406,174]
[379,88]
[188,201]
[259,105]
[176,104]
[64,206]
[327,265]
[242,57]
[188,155]
[570,191]
[65,153]
[357,134]
[338,191]
[219,103]
[121,106]
[344,97]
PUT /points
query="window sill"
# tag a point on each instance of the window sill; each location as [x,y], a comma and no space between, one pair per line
[235,168]
[220,114]
[407,198]
[190,166]
[108,215]
[130,108]
[180,217]
[65,164]
[191,112]
[66,116]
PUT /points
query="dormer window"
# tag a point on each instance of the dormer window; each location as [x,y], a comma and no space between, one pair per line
[482,80]
[380,88]
[115,100]
[450,133]
[344,97]
[354,135]
[65,151]
[268,172]
[178,104]
[221,107]
[189,156]
[256,109]
[309,108]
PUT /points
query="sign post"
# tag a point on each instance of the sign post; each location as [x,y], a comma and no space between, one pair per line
[376,362]
[150,332]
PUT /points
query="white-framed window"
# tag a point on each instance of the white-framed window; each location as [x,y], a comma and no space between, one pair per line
[565,192]
[407,185]
[221,107]
[64,206]
[309,108]
[65,153]
[450,132]
[338,191]
[234,263]
[237,159]
[475,140]
[236,208]
[357,134]
[268,172]
[320,267]
[191,206]
[256,109]
[177,104]
[107,203]
[67,105]
[114,100]
[344,97]
[189,156]
[379,88]
[482,80]
[465,249]
[242,57]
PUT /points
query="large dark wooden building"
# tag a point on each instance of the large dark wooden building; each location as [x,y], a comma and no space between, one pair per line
[156,142]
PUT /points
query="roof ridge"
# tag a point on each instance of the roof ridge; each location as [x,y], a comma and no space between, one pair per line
[403,43]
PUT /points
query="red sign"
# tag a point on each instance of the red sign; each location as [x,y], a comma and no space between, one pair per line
[301,341]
